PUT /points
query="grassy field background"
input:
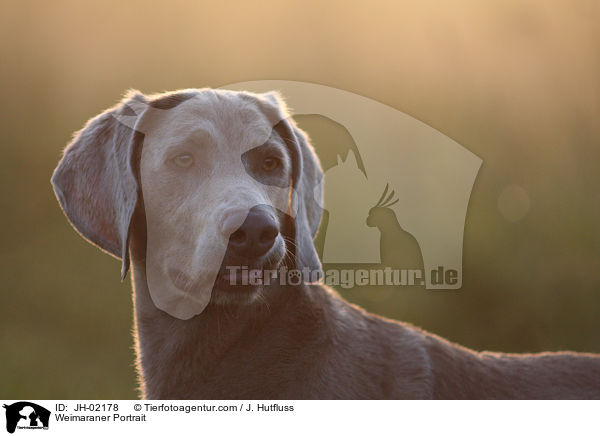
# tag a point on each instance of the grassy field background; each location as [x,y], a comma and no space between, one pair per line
[517,83]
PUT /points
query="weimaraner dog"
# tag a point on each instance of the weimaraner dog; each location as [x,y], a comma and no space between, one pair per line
[186,185]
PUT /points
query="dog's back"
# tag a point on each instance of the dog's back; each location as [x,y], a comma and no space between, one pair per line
[459,373]
[411,363]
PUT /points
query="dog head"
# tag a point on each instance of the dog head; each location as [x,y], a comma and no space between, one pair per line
[225,179]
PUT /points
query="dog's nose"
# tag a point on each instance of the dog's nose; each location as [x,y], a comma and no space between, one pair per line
[256,235]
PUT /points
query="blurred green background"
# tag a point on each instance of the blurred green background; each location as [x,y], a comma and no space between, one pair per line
[517,83]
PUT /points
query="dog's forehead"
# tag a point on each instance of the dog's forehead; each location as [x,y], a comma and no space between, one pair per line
[234,121]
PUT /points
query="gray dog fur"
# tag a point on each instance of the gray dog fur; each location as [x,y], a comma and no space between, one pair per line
[301,342]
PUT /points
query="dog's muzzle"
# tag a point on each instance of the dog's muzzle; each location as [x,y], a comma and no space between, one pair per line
[256,234]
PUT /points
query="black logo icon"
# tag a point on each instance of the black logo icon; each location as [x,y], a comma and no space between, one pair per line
[26,415]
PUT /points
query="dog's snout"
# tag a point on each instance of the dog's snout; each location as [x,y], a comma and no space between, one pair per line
[256,235]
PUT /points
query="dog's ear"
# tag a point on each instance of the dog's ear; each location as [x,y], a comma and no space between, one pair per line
[306,181]
[309,192]
[96,180]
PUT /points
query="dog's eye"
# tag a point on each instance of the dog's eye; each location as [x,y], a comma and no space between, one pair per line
[183,160]
[271,164]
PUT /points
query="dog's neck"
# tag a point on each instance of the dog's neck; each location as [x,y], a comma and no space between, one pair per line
[196,358]
[176,358]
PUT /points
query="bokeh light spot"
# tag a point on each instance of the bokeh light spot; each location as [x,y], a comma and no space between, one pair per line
[514,203]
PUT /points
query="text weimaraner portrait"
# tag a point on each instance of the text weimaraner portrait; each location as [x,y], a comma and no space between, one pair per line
[185,186]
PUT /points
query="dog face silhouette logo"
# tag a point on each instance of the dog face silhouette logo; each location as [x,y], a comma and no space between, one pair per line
[26,415]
